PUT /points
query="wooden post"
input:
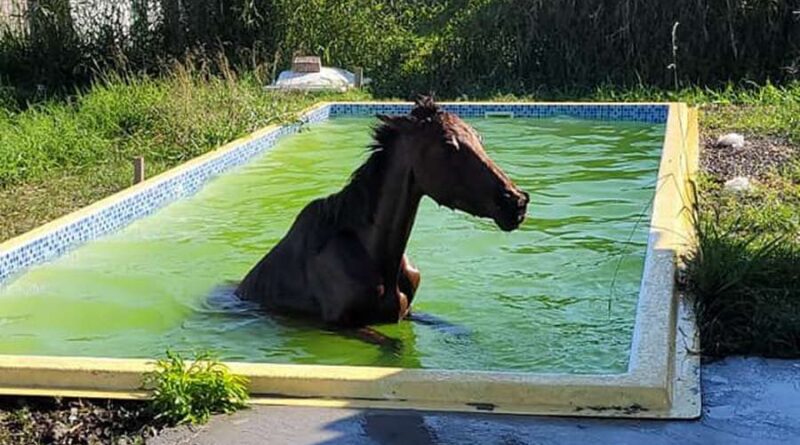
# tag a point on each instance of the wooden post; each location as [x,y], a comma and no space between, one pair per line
[359,77]
[138,169]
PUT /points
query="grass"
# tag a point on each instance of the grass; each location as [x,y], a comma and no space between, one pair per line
[58,156]
[191,392]
[744,274]
[746,283]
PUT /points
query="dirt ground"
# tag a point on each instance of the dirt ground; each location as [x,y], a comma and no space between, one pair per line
[760,157]
[25,421]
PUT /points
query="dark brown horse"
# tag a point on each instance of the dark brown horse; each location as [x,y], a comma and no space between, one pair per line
[343,260]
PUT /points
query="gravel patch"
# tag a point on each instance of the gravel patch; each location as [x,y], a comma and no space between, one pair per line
[760,156]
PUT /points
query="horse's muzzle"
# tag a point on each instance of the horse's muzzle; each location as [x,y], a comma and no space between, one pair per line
[512,208]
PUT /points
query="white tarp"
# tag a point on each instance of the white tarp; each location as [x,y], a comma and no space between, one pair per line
[326,79]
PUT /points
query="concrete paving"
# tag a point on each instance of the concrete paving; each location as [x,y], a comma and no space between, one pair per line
[747,401]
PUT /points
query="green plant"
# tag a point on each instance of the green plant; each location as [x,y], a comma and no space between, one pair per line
[745,283]
[60,155]
[189,392]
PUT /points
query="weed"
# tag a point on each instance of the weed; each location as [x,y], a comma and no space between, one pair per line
[190,392]
[745,282]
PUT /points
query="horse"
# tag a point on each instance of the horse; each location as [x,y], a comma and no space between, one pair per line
[343,259]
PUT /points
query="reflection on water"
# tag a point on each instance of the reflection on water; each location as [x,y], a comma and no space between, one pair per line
[533,300]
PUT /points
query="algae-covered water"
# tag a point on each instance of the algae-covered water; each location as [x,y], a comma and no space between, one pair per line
[558,295]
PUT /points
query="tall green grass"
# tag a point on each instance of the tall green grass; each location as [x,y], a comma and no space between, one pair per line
[745,284]
[61,154]
[166,119]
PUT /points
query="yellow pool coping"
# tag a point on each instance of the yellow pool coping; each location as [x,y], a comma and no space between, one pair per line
[662,380]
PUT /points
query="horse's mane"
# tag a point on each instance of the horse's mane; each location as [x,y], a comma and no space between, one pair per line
[356,203]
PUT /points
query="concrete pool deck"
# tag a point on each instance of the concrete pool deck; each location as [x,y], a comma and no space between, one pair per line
[748,401]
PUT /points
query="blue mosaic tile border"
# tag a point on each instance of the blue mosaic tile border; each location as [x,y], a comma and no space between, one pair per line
[651,113]
[158,194]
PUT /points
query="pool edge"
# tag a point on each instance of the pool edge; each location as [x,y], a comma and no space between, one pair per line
[662,380]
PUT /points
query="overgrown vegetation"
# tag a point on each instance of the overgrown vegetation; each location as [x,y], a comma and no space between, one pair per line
[59,155]
[454,47]
[744,275]
[167,119]
[190,392]
[745,278]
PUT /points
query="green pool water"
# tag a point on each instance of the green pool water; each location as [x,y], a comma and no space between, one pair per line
[558,295]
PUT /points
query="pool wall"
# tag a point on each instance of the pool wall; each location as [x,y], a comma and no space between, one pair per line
[663,375]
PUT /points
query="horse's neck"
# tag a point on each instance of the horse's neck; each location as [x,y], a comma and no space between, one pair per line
[386,238]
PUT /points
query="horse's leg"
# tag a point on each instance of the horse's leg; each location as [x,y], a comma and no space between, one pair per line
[392,307]
[408,278]
[395,306]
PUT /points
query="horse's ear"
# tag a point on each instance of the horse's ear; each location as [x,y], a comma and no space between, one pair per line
[425,109]
[425,100]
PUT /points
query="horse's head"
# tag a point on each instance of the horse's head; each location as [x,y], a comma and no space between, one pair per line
[450,165]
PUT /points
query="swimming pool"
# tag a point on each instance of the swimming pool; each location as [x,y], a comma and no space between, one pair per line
[559,296]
